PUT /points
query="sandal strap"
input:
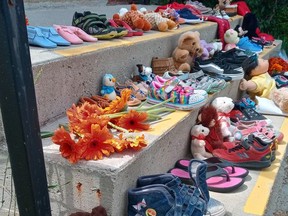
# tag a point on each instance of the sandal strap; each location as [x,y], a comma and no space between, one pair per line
[221,163]
[214,170]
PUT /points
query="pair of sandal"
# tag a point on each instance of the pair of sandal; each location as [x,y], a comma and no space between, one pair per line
[221,176]
[137,95]
[119,23]
[95,99]
[97,25]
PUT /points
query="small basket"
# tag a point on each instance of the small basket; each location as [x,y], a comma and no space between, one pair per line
[161,65]
[231,10]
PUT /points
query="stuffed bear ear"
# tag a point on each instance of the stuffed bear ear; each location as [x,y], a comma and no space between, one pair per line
[196,32]
[200,117]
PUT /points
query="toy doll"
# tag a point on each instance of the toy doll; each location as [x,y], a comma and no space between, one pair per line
[260,83]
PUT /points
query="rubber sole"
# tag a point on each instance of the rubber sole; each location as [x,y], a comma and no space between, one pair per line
[178,106]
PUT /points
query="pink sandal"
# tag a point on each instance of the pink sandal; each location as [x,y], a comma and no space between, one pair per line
[217,179]
[125,25]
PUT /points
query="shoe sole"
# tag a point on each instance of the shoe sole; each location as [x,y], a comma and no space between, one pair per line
[212,68]
[255,164]
[179,106]
[108,36]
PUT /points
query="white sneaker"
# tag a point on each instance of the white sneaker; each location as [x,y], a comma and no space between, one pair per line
[224,15]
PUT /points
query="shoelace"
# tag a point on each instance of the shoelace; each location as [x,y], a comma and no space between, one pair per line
[236,148]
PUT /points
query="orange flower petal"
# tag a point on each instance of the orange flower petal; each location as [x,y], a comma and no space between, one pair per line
[119,103]
[96,143]
[134,121]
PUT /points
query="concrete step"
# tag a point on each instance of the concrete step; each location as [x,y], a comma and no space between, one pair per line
[64,74]
[168,141]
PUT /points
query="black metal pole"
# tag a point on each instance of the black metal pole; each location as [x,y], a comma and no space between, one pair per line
[19,112]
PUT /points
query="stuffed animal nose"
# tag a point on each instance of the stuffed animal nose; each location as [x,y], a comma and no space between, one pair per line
[113,80]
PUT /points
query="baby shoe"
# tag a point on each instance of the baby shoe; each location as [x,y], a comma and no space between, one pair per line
[52,35]
[35,37]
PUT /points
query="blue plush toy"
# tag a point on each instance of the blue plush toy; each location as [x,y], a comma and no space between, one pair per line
[107,90]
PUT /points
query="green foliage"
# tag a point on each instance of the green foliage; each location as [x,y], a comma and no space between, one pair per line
[272,17]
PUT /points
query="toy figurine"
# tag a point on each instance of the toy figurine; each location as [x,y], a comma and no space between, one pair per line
[261,84]
[145,73]
[107,90]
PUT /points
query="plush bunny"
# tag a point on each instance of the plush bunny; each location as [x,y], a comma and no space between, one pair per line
[198,134]
[224,106]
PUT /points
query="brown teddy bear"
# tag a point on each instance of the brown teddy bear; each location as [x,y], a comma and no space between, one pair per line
[133,18]
[188,49]
[157,21]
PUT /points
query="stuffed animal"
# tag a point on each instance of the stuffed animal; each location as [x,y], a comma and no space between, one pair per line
[133,18]
[188,49]
[209,49]
[107,90]
[224,106]
[145,73]
[198,134]
[231,38]
[261,84]
[157,21]
[208,117]
[240,31]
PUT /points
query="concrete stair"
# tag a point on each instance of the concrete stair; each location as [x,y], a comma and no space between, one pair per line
[63,75]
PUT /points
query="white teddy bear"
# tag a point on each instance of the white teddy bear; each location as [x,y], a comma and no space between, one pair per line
[198,134]
[224,106]
[231,38]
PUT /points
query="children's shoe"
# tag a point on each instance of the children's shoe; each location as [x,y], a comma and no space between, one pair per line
[214,207]
[281,81]
[224,15]
[36,38]
[159,199]
[51,34]
[248,153]
[68,34]
[245,44]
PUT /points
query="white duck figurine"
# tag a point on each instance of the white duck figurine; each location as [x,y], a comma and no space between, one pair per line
[107,90]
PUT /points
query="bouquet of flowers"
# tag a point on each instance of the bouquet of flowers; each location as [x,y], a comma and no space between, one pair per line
[88,135]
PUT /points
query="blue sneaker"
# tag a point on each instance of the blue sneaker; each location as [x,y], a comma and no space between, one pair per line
[159,199]
[214,207]
[35,37]
[51,34]
[245,44]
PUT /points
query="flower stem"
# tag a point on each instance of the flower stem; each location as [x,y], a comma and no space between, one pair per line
[157,105]
[46,134]
[118,128]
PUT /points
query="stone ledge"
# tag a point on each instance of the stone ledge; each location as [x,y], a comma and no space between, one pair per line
[168,141]
[62,80]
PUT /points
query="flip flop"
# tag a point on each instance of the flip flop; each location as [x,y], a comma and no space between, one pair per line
[230,168]
[217,179]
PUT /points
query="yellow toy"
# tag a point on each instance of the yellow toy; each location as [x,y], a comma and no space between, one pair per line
[261,84]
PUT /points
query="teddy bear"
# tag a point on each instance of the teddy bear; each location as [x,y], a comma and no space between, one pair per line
[187,50]
[157,21]
[224,105]
[231,39]
[260,83]
[198,134]
[134,18]
[208,117]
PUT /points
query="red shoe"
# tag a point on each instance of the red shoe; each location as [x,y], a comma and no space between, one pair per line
[248,153]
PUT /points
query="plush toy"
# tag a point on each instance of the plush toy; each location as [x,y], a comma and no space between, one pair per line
[231,38]
[133,18]
[145,73]
[261,84]
[209,49]
[188,49]
[240,31]
[157,21]
[107,90]
[198,134]
[224,106]
[208,117]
